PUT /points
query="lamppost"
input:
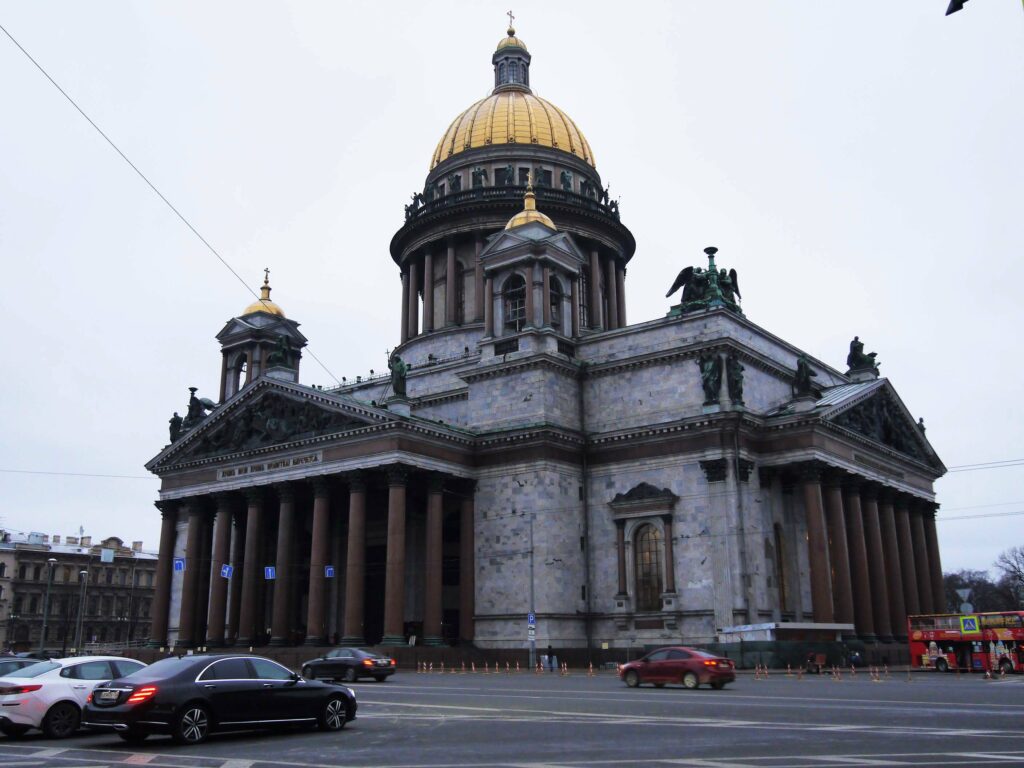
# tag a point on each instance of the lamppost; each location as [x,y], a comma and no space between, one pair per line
[83,577]
[46,601]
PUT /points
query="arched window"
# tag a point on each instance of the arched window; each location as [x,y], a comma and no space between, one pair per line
[556,302]
[513,72]
[649,580]
[501,73]
[514,302]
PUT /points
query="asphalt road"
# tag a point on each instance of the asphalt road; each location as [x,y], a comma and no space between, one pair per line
[549,721]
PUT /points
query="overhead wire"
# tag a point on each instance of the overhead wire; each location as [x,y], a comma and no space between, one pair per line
[151,185]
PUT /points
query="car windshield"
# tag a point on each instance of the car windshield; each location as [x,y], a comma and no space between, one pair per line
[165,667]
[35,670]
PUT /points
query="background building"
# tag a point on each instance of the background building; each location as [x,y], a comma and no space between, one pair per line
[117,594]
[689,478]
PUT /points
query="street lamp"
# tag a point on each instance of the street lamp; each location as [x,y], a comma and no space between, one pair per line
[83,577]
[46,601]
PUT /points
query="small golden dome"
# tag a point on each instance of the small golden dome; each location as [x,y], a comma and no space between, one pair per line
[512,117]
[529,212]
[511,41]
[264,304]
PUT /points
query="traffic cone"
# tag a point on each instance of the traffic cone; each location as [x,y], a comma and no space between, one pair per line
[472,667]
[508,669]
[800,673]
[886,671]
[442,667]
[463,666]
[431,666]
[590,669]
[789,670]
[497,668]
[517,666]
[853,671]
[487,668]
[988,674]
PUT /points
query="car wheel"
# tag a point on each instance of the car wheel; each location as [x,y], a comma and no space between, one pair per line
[61,721]
[632,678]
[192,725]
[309,673]
[334,715]
[942,666]
[690,680]
[132,737]
[717,684]
[349,676]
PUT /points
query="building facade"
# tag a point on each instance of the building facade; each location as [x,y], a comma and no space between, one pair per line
[681,479]
[100,595]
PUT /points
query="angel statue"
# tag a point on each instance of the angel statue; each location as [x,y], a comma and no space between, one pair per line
[693,281]
[729,284]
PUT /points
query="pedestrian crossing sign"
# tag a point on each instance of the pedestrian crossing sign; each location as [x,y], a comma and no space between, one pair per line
[969,625]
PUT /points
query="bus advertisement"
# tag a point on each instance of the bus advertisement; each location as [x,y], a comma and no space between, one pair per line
[971,642]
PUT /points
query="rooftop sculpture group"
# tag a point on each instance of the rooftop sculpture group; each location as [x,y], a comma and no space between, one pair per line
[706,289]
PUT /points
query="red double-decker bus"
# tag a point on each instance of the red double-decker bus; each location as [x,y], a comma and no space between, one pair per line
[972,642]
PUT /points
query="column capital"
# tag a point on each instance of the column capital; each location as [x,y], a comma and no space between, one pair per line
[714,470]
[666,518]
[834,478]
[254,494]
[853,484]
[435,482]
[766,476]
[225,500]
[810,471]
[285,491]
[167,507]
[321,486]
[870,490]
[887,495]
[744,467]
[356,480]
[398,475]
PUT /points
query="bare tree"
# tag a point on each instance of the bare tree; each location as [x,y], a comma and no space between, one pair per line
[1011,563]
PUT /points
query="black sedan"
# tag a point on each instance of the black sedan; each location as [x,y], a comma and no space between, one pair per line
[349,664]
[190,697]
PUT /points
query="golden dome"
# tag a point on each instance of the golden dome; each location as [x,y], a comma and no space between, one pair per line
[512,117]
[511,41]
[264,304]
[529,212]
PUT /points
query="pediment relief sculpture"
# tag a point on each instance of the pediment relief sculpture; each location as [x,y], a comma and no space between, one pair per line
[880,419]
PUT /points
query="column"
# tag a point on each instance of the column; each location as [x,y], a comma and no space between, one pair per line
[218,584]
[861,584]
[280,632]
[394,584]
[907,568]
[355,561]
[404,332]
[467,561]
[203,588]
[817,546]
[489,308]
[450,289]
[164,572]
[187,618]
[432,610]
[248,614]
[223,377]
[620,291]
[545,296]
[842,585]
[248,366]
[316,632]
[428,292]
[531,322]
[923,567]
[595,291]
[235,587]
[413,307]
[931,538]
[575,308]
[670,562]
[620,548]
[876,563]
[478,279]
[613,295]
[893,574]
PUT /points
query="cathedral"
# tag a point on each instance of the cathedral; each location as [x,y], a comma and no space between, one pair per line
[530,453]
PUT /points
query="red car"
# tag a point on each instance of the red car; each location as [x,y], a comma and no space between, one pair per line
[688,666]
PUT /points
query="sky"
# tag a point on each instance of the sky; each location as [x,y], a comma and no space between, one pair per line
[860,165]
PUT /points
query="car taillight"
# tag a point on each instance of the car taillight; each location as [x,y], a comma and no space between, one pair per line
[16,689]
[710,662]
[88,699]
[367,662]
[142,694]
[392,662]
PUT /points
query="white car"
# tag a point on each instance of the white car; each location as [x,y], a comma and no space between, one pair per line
[49,695]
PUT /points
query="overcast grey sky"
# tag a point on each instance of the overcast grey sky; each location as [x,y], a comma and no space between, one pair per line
[859,164]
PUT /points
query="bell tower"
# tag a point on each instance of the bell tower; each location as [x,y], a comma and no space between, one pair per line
[259,342]
[511,63]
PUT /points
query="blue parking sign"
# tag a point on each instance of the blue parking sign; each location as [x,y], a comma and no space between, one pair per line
[269,572]
[328,571]
[531,619]
[226,570]
[179,564]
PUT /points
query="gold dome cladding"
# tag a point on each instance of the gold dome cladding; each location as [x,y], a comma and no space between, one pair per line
[512,117]
[264,304]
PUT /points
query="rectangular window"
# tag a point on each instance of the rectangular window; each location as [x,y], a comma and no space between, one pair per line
[542,178]
[524,176]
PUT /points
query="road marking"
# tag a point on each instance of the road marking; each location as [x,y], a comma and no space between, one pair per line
[53,752]
[857,760]
[698,763]
[988,756]
[139,758]
[236,763]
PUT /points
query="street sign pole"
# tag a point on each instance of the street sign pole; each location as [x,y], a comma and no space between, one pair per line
[532,634]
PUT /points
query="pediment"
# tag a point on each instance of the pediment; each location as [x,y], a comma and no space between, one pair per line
[882,417]
[528,238]
[271,416]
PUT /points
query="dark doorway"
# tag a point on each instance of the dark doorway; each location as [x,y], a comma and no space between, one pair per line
[373,595]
